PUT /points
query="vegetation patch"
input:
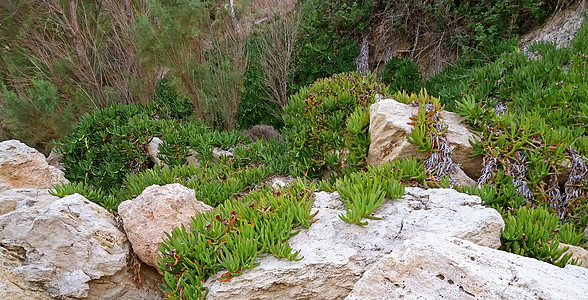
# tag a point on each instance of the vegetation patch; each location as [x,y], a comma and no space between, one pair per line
[326,124]
[232,236]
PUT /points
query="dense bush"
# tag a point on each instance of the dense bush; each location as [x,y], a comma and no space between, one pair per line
[107,145]
[169,103]
[326,124]
[106,157]
[256,106]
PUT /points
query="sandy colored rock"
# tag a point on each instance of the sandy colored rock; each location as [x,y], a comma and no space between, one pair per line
[388,129]
[157,210]
[121,286]
[336,253]
[431,267]
[24,167]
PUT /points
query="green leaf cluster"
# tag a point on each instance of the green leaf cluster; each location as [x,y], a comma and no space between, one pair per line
[364,192]
[95,195]
[231,237]
[327,123]
[536,233]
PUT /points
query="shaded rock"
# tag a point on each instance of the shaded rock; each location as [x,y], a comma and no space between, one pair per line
[58,248]
[192,158]
[266,132]
[157,210]
[462,179]
[153,150]
[336,253]
[388,129]
[54,159]
[431,267]
[121,286]
[24,167]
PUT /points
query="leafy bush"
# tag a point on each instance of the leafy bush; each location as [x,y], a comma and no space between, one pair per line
[402,74]
[95,195]
[363,192]
[231,237]
[107,145]
[169,103]
[327,41]
[327,122]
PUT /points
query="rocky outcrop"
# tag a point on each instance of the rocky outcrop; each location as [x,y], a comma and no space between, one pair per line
[430,267]
[24,167]
[336,253]
[388,129]
[560,28]
[55,247]
[157,210]
[14,199]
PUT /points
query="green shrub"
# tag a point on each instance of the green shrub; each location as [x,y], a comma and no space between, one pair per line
[38,115]
[327,122]
[107,145]
[231,237]
[95,195]
[402,74]
[327,41]
[256,106]
[363,192]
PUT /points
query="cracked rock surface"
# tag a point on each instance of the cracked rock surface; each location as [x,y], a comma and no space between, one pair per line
[337,254]
[430,267]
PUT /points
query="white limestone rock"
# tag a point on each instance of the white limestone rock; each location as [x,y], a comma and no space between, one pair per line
[58,248]
[336,253]
[433,267]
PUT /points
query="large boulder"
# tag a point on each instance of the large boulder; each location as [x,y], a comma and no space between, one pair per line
[54,247]
[336,253]
[24,167]
[430,267]
[389,127]
[157,210]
